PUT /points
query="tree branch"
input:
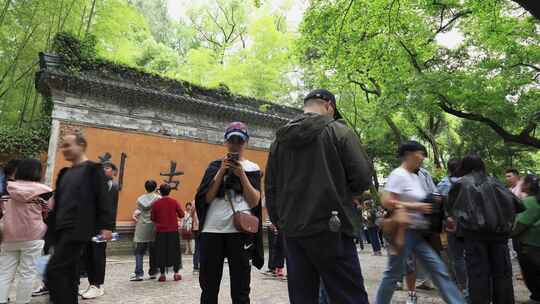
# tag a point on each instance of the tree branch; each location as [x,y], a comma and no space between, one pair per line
[363,86]
[528,65]
[455,17]
[341,30]
[531,126]
[395,130]
[205,36]
[412,57]
[531,6]
[4,11]
[523,137]
[90,17]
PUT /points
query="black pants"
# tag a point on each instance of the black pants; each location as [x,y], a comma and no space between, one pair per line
[95,261]
[276,251]
[330,256]
[215,247]
[63,270]
[163,269]
[381,237]
[490,271]
[529,260]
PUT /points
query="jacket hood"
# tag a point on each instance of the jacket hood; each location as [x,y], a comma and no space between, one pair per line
[147,200]
[23,191]
[303,129]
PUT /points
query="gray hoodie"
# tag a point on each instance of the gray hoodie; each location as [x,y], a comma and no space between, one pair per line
[145,230]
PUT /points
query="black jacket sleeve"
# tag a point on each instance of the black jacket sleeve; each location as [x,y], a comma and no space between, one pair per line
[200,197]
[103,199]
[271,186]
[355,163]
[452,198]
[50,235]
[114,192]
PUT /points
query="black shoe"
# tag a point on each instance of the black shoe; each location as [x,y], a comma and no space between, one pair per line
[135,278]
[43,291]
[269,272]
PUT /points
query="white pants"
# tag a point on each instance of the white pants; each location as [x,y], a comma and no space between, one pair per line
[21,257]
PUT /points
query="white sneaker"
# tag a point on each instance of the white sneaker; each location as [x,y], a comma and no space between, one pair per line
[83,291]
[93,292]
[412,299]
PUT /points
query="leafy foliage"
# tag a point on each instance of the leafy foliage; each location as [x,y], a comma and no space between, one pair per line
[24,142]
[389,64]
[389,61]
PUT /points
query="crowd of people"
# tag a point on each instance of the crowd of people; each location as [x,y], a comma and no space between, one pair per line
[319,209]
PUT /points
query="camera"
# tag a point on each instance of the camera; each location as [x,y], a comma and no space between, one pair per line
[437,215]
[232,182]
[234,156]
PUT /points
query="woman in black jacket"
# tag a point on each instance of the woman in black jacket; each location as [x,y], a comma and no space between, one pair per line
[485,211]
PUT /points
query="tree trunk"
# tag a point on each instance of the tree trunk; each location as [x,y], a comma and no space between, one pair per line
[395,130]
[92,12]
[374,177]
[436,152]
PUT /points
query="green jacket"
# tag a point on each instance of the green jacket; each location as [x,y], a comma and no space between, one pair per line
[527,227]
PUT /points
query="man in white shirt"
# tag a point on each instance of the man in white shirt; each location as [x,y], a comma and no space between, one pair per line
[514,181]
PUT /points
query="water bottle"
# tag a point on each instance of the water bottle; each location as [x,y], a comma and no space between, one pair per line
[99,239]
[334,223]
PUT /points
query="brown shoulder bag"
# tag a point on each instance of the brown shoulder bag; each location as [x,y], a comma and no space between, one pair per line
[243,222]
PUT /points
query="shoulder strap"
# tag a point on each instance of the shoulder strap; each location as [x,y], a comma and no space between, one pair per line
[228,198]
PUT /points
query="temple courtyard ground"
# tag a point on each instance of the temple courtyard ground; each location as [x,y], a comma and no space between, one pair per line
[265,290]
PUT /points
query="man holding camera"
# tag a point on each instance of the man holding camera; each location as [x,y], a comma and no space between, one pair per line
[230,185]
[316,169]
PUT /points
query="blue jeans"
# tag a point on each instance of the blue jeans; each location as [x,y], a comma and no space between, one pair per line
[415,243]
[323,295]
[140,251]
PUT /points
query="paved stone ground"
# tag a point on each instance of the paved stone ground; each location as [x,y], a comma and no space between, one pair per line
[265,290]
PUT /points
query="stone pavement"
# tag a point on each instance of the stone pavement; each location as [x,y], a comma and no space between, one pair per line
[265,290]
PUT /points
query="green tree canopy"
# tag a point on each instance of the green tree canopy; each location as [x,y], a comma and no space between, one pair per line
[389,53]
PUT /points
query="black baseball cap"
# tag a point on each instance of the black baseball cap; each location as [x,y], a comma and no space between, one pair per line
[324,95]
[109,164]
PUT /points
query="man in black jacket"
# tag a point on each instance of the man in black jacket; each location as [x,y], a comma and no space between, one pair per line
[82,207]
[315,167]
[95,254]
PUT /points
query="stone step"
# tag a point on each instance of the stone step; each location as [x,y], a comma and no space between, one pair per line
[125,245]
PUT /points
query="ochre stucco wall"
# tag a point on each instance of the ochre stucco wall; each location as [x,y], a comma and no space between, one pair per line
[147,156]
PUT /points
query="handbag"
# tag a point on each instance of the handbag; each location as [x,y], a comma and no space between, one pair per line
[243,222]
[394,227]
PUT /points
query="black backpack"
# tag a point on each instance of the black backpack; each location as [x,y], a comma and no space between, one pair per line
[484,205]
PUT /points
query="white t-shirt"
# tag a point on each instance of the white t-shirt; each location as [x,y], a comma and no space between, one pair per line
[219,217]
[409,187]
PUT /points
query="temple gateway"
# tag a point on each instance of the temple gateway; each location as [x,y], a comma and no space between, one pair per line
[149,127]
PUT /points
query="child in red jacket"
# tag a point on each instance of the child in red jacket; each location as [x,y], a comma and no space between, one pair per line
[165,214]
